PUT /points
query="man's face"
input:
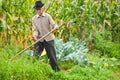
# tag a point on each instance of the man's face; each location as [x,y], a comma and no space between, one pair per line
[40,11]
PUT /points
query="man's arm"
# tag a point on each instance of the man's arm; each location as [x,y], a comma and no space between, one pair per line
[35,35]
[52,22]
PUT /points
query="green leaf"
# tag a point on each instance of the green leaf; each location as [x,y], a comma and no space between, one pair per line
[3,23]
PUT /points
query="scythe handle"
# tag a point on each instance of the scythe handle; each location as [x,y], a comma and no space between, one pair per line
[33,44]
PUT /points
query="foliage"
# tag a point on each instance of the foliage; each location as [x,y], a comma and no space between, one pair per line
[23,67]
[97,22]
[87,71]
[81,19]
[20,69]
[15,21]
[106,47]
[71,50]
[27,70]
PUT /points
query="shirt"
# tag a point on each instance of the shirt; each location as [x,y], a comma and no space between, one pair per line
[42,25]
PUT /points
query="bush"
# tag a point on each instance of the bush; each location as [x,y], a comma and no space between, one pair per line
[106,47]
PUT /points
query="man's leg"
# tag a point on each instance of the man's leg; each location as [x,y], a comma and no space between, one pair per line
[38,48]
[51,53]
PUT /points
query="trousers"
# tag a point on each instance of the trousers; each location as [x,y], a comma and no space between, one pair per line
[50,50]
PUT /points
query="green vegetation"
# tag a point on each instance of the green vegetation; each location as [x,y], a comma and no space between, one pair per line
[23,68]
[91,28]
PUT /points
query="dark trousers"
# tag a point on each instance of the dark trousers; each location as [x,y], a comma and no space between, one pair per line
[50,50]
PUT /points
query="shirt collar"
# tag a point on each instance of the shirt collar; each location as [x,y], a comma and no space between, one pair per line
[41,15]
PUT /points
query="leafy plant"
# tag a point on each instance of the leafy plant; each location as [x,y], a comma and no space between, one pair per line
[71,50]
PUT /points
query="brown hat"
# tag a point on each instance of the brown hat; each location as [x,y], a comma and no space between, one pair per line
[38,5]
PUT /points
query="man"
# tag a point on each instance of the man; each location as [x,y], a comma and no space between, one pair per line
[42,23]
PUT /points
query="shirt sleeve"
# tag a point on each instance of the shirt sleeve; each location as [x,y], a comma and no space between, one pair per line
[52,22]
[35,29]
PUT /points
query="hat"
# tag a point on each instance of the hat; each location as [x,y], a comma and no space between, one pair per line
[38,5]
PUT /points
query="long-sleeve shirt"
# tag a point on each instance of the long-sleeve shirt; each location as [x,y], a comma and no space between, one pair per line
[42,25]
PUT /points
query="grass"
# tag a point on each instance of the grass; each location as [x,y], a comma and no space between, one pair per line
[23,68]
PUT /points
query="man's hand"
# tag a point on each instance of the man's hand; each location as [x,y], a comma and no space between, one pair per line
[34,38]
[56,28]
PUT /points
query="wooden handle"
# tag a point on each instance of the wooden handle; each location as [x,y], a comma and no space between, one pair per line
[33,44]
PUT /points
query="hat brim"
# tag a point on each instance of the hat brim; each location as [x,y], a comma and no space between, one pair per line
[38,6]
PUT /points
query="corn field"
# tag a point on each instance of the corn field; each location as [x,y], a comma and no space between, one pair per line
[82,18]
[95,24]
